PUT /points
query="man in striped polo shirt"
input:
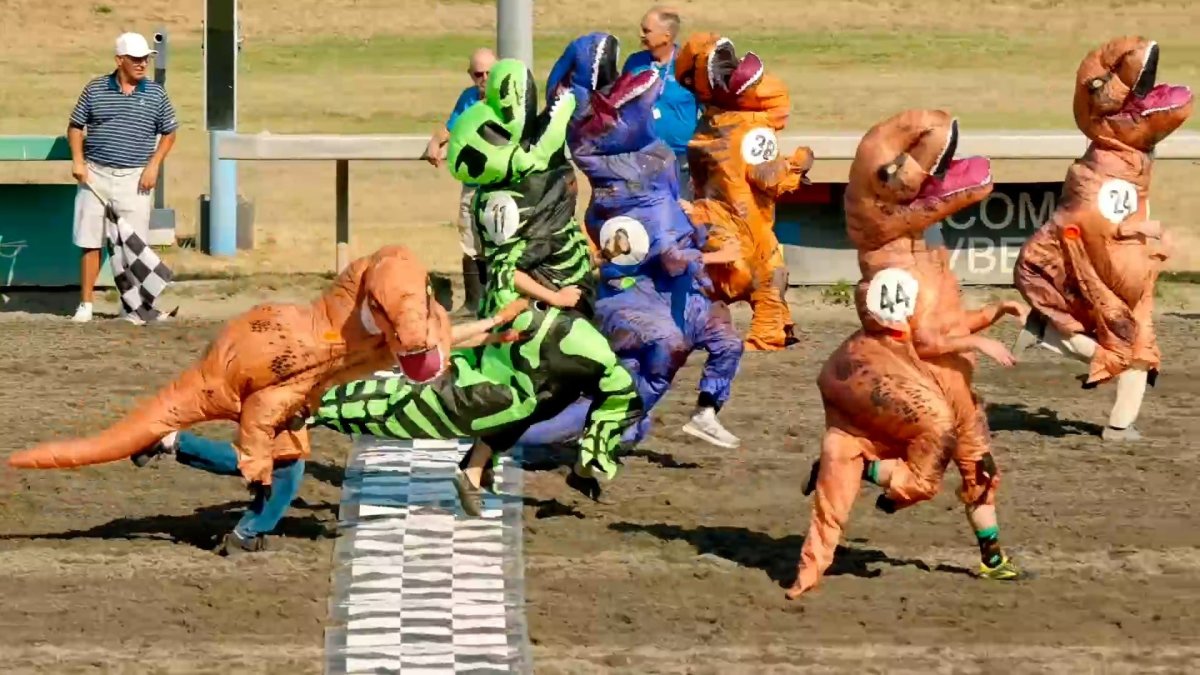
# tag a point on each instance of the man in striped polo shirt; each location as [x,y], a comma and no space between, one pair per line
[124,114]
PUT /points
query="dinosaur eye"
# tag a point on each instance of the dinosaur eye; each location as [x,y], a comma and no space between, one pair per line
[1096,84]
[886,172]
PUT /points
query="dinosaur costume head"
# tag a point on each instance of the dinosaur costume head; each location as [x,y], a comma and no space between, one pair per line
[1117,98]
[709,67]
[502,139]
[398,302]
[588,64]
[904,177]
[614,113]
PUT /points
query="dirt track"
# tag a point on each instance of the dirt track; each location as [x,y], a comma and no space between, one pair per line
[110,568]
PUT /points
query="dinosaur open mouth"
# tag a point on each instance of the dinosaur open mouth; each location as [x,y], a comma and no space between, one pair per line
[421,366]
[1161,98]
[1146,98]
[960,175]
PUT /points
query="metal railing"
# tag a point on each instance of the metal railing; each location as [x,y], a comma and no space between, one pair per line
[1027,145]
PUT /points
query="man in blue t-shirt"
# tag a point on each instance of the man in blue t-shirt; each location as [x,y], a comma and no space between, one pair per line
[676,111]
[474,268]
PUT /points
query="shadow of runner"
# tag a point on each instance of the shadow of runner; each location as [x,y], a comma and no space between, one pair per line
[777,557]
[1043,421]
[204,528]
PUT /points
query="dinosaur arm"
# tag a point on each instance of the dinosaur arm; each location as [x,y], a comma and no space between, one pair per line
[1149,229]
[989,314]
[782,174]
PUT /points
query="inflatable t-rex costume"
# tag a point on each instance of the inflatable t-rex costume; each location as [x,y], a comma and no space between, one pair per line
[651,305]
[268,362]
[525,205]
[737,174]
[1089,272]
[497,391]
[525,209]
[898,401]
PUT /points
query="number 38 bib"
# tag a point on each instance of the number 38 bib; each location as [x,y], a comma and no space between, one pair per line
[892,295]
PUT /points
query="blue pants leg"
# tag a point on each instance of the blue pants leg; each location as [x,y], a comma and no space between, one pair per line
[220,457]
[719,338]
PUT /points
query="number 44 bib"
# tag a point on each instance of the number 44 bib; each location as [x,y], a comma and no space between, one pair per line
[892,295]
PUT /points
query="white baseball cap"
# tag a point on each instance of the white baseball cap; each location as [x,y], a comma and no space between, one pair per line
[133,44]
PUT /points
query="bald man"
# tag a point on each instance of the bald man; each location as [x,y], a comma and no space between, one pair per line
[474,268]
[676,111]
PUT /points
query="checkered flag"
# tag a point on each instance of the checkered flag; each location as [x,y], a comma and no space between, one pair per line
[138,272]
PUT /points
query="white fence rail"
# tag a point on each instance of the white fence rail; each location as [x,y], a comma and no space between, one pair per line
[1027,145]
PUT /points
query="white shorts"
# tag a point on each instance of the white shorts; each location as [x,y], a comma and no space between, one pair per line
[120,186]
[468,237]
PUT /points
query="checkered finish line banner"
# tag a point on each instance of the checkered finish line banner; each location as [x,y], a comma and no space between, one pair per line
[419,586]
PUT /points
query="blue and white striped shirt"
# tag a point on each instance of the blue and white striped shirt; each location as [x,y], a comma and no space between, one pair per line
[122,131]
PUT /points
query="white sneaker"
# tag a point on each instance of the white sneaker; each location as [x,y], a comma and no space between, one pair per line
[134,319]
[705,426]
[83,313]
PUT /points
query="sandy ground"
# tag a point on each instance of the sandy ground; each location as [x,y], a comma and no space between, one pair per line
[681,568]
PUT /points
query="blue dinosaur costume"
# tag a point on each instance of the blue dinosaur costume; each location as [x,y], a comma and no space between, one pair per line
[651,301]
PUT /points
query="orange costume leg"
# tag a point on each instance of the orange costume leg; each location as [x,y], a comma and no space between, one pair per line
[262,435]
[838,481]
[771,326]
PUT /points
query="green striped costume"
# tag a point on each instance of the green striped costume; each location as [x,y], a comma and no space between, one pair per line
[496,392]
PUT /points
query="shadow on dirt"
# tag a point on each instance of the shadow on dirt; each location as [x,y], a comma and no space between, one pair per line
[776,557]
[326,472]
[203,528]
[551,508]
[53,302]
[1043,421]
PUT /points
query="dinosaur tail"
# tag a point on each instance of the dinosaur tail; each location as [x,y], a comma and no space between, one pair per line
[177,406]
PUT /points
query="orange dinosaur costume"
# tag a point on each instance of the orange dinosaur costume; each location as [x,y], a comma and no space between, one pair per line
[1089,272]
[737,174]
[898,401]
[269,362]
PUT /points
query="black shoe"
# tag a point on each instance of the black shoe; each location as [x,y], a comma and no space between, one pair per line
[234,544]
[813,474]
[143,457]
[587,486]
[884,503]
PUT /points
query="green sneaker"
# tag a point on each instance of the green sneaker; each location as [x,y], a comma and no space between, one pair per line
[1005,570]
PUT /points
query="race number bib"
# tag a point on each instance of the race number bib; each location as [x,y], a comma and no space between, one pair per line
[1118,199]
[624,241]
[892,295]
[759,145]
[500,217]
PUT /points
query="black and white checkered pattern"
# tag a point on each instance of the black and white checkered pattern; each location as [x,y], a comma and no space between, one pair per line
[140,275]
[138,272]
[418,586]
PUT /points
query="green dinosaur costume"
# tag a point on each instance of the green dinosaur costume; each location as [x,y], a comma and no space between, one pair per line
[525,212]
[498,391]
[524,209]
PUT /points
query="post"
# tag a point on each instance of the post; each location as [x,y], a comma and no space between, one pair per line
[220,113]
[342,203]
[514,30]
[160,76]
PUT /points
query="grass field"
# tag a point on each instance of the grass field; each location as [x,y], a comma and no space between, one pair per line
[395,67]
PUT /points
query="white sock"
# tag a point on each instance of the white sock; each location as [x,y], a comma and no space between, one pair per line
[1131,387]
[170,439]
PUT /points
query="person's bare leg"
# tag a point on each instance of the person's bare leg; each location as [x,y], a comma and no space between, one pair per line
[478,458]
[89,271]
